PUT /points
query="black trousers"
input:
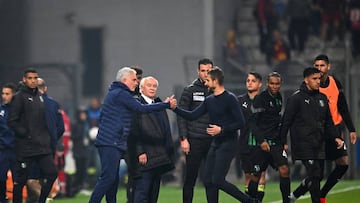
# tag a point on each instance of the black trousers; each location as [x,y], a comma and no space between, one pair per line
[314,171]
[23,167]
[216,168]
[198,152]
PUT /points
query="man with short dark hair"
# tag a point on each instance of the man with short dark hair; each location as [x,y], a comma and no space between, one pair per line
[194,140]
[308,118]
[32,136]
[265,126]
[225,119]
[341,117]
[247,142]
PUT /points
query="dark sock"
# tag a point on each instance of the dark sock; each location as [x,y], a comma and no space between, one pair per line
[333,178]
[46,187]
[314,189]
[302,188]
[252,188]
[2,190]
[285,188]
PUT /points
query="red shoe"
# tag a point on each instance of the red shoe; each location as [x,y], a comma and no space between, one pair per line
[322,200]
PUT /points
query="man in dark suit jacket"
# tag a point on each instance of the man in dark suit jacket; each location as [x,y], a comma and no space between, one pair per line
[150,146]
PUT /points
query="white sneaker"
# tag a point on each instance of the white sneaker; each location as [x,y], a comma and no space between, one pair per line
[292,198]
[49,200]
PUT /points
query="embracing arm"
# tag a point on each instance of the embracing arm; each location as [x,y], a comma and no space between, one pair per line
[192,115]
[136,106]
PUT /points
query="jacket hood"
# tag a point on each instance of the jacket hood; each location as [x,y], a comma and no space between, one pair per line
[117,85]
[305,89]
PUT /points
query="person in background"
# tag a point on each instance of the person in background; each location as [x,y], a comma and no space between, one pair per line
[150,148]
[331,15]
[194,140]
[277,50]
[7,138]
[354,21]
[341,117]
[298,13]
[111,141]
[139,73]
[80,148]
[267,21]
[93,164]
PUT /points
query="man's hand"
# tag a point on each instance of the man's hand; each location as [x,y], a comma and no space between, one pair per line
[353,137]
[142,159]
[185,146]
[339,143]
[265,146]
[172,101]
[213,130]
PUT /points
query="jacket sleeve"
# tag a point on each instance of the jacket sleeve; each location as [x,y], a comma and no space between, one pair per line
[184,103]
[257,109]
[17,108]
[194,114]
[343,107]
[288,118]
[60,128]
[134,105]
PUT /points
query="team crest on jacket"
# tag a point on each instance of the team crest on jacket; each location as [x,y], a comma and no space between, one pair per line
[2,113]
[321,103]
[245,105]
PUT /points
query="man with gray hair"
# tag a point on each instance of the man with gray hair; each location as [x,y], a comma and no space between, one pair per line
[150,144]
[111,141]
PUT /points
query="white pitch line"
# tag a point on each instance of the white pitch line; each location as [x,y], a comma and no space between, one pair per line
[331,192]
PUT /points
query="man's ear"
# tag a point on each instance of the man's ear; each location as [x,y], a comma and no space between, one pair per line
[306,80]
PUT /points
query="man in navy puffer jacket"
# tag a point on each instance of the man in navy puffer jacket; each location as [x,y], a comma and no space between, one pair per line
[115,118]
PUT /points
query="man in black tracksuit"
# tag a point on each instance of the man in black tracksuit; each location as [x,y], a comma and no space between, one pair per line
[247,141]
[308,117]
[32,136]
[194,140]
[265,125]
